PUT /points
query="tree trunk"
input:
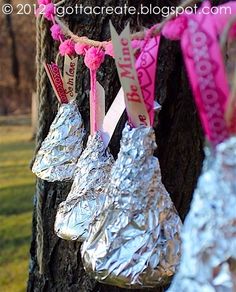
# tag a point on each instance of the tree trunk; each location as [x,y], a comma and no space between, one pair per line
[178,133]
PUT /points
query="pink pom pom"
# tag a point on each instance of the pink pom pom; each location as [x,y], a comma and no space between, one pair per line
[49,11]
[56,32]
[109,50]
[44,2]
[80,48]
[174,29]
[67,48]
[94,58]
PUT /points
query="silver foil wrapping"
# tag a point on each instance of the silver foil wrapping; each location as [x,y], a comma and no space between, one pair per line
[57,157]
[87,196]
[208,262]
[134,242]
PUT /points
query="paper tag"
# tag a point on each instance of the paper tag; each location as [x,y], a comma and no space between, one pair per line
[207,74]
[69,76]
[146,70]
[112,117]
[135,106]
[56,80]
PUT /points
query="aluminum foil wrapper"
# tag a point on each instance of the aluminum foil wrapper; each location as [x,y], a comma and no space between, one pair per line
[208,263]
[57,157]
[134,242]
[87,195]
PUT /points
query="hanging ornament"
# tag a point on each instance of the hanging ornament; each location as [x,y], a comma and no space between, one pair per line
[134,242]
[209,242]
[57,157]
[208,260]
[87,192]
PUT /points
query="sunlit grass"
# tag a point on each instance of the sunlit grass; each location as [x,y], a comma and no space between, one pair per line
[16,195]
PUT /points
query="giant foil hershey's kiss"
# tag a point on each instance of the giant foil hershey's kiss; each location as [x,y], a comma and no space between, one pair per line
[208,262]
[134,242]
[57,157]
[87,195]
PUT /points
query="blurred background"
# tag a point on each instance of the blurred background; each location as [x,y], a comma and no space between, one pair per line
[17,130]
[18,119]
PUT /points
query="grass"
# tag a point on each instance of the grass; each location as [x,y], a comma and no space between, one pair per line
[16,197]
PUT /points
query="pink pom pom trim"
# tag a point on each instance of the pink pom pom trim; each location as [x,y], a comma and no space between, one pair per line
[174,29]
[94,58]
[49,11]
[56,32]
[44,2]
[80,48]
[67,48]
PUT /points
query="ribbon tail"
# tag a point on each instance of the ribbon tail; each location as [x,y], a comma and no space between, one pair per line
[93,102]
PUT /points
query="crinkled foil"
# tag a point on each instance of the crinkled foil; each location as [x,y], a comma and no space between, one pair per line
[56,159]
[134,242]
[87,196]
[208,263]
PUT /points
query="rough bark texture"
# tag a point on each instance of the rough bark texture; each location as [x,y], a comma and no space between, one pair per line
[179,139]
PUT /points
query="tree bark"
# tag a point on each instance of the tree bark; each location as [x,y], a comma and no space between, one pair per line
[178,133]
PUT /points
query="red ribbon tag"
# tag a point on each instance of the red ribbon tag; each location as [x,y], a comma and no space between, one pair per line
[56,81]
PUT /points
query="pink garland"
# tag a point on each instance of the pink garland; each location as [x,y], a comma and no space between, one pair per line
[172,30]
[67,46]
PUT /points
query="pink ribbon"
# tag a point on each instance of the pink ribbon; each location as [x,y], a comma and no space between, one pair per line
[146,71]
[93,59]
[55,77]
[93,102]
[207,74]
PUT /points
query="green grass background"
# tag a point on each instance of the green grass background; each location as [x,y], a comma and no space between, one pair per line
[16,201]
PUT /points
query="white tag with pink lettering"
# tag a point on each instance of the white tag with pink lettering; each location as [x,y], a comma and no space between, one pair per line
[135,105]
[207,74]
[69,76]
